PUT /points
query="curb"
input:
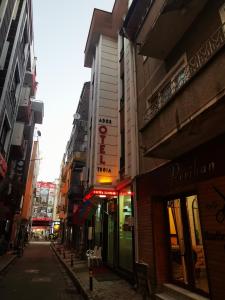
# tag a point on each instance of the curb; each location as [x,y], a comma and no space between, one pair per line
[9,262]
[87,295]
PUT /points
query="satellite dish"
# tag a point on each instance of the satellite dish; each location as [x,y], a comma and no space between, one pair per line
[76,116]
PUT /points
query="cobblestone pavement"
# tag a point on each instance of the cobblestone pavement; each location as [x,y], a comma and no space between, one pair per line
[102,290]
[37,275]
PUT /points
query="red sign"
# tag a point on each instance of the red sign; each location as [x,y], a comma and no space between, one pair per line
[100,193]
[102,130]
[47,185]
[42,219]
[3,166]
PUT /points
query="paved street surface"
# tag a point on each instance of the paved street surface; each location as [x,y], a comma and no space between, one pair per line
[37,275]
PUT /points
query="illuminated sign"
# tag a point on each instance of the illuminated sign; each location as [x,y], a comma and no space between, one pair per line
[107,159]
[45,185]
[56,222]
[96,192]
[102,133]
[42,219]
[3,166]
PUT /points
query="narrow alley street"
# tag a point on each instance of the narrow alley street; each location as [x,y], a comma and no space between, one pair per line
[37,275]
[112,142]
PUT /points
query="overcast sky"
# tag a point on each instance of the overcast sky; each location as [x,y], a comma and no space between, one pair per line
[60,34]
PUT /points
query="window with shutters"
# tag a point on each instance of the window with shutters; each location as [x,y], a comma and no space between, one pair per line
[4,136]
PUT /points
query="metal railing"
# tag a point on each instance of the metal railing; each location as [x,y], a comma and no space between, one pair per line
[166,92]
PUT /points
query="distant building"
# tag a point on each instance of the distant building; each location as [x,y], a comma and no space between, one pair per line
[113,140]
[72,173]
[19,112]
[43,208]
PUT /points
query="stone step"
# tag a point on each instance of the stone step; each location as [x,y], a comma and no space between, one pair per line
[163,296]
[178,293]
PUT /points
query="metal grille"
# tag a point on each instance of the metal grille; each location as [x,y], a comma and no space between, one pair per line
[164,94]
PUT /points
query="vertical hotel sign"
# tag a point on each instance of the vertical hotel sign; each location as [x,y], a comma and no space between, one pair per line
[106,154]
[106,172]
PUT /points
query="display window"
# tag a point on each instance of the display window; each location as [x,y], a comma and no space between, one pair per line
[126,230]
[188,264]
[98,224]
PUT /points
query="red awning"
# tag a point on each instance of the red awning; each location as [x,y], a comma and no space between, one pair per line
[100,192]
[3,166]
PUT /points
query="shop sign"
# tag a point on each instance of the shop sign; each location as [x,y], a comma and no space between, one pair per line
[96,192]
[3,166]
[194,170]
[42,219]
[56,222]
[46,185]
[205,162]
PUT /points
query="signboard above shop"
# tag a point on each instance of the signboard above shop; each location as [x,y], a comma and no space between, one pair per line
[100,193]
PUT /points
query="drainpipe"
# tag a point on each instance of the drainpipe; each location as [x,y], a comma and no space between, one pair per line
[136,150]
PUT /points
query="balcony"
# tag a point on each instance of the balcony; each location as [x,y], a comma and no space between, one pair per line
[38,109]
[160,33]
[185,110]
[166,92]
[18,143]
[24,112]
[30,81]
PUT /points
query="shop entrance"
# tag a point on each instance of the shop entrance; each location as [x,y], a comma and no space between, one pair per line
[111,232]
[187,258]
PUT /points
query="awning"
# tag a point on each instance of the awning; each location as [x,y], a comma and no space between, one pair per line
[84,212]
[3,166]
[100,193]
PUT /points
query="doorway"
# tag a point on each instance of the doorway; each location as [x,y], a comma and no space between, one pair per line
[187,258]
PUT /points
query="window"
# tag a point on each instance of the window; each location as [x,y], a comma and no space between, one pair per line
[3,4]
[4,136]
[187,256]
[14,84]
[125,230]
[122,91]
[3,55]
[222,15]
[24,39]
[15,10]
[121,47]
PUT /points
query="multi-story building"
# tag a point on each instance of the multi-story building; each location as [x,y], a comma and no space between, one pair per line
[22,220]
[18,110]
[30,190]
[43,209]
[180,190]
[113,140]
[72,185]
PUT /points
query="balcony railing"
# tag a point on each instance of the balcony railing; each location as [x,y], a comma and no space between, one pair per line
[167,91]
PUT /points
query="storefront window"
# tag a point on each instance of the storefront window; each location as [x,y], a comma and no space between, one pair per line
[186,249]
[111,231]
[200,275]
[125,230]
[98,226]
